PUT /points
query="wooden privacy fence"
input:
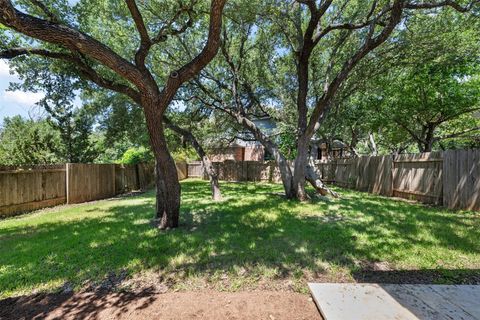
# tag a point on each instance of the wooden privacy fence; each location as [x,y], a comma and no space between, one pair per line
[230,170]
[30,188]
[26,188]
[450,178]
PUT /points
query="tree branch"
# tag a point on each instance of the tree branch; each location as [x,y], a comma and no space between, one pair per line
[433,5]
[369,45]
[85,70]
[70,39]
[145,42]
[167,29]
[189,70]
[351,26]
[45,10]
[458,134]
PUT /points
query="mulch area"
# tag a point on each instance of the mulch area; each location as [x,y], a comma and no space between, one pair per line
[205,304]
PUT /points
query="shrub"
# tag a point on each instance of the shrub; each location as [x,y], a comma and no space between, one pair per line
[137,155]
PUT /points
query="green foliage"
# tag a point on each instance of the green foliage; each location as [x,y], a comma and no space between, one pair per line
[231,244]
[74,125]
[185,154]
[24,141]
[422,87]
[287,143]
[137,155]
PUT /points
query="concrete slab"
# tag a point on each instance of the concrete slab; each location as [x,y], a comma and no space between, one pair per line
[399,302]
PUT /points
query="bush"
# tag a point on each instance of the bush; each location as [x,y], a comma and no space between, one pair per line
[137,155]
[185,154]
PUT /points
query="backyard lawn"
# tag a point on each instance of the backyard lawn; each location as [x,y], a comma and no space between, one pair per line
[252,239]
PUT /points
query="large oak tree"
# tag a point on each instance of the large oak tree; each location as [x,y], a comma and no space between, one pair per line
[55,31]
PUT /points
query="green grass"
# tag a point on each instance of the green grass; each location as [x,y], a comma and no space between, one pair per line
[254,236]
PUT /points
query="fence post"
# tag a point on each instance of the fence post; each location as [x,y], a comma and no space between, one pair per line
[67,182]
[137,176]
[390,192]
[114,170]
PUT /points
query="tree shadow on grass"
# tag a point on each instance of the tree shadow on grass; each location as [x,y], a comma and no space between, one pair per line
[253,231]
[73,306]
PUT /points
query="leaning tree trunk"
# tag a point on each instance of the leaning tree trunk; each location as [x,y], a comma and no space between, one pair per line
[213,177]
[272,148]
[208,169]
[207,164]
[373,144]
[312,177]
[305,171]
[285,175]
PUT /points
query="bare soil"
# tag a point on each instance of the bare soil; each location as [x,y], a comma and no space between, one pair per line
[205,304]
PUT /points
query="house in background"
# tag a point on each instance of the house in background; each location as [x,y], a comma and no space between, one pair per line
[324,151]
[238,151]
[246,148]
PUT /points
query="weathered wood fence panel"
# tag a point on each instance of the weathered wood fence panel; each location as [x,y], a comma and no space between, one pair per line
[31,188]
[146,175]
[182,170]
[461,182]
[87,182]
[194,169]
[230,170]
[326,171]
[419,177]
[382,176]
[26,188]
[345,175]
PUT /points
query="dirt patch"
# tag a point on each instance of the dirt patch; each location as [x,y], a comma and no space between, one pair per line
[205,304]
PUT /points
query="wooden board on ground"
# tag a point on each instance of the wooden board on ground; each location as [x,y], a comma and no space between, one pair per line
[396,301]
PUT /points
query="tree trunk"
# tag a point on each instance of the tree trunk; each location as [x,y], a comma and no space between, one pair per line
[272,148]
[373,145]
[168,189]
[168,195]
[429,139]
[285,174]
[300,169]
[213,177]
[166,177]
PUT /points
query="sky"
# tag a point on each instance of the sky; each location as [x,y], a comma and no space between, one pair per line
[15,102]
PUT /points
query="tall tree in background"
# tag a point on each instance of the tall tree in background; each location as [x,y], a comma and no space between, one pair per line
[293,61]
[74,125]
[431,92]
[26,141]
[73,39]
